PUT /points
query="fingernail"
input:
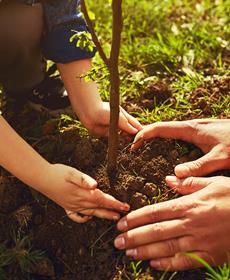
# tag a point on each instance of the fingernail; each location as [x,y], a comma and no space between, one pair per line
[131,252]
[155,264]
[119,243]
[125,207]
[122,225]
[115,218]
[138,138]
[182,170]
[173,180]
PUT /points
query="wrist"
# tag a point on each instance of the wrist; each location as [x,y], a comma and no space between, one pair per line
[94,116]
[42,181]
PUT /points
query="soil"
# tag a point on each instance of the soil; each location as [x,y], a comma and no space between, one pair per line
[79,252]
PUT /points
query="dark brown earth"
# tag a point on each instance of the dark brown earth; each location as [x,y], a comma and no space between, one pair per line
[85,252]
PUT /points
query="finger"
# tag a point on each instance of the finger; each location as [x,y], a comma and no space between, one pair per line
[104,200]
[188,185]
[184,130]
[80,179]
[106,214]
[100,213]
[84,205]
[179,262]
[133,121]
[212,161]
[168,248]
[125,126]
[77,218]
[150,234]
[155,213]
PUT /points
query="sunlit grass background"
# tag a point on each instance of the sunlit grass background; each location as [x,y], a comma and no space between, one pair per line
[170,39]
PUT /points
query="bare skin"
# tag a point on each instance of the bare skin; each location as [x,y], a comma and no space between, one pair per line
[71,189]
[211,136]
[197,222]
[76,192]
[86,101]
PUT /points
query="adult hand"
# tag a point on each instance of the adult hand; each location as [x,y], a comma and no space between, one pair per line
[211,136]
[76,192]
[197,223]
[100,125]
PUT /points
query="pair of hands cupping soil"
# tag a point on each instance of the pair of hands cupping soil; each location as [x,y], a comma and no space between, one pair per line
[198,222]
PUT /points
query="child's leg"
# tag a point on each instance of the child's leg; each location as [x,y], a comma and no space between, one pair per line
[21,63]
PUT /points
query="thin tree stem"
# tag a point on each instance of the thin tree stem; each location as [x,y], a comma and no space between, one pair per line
[115,86]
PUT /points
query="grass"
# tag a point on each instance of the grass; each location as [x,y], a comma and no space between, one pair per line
[220,273]
[21,255]
[173,41]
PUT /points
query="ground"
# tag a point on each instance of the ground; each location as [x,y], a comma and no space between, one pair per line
[73,251]
[174,66]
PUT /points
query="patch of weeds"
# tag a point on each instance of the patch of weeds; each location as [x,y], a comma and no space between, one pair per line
[163,112]
[221,107]
[171,276]
[220,273]
[136,269]
[21,256]
[186,83]
[182,149]
[66,121]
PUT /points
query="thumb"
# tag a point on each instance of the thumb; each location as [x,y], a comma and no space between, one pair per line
[210,162]
[80,179]
[188,185]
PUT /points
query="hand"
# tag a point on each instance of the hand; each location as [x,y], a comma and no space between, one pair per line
[211,136]
[197,223]
[86,101]
[100,126]
[77,193]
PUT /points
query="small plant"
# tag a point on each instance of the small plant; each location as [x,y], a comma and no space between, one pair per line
[21,256]
[84,40]
[220,273]
[170,278]
[136,269]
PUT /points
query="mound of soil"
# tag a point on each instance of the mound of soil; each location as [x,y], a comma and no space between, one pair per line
[211,92]
[156,94]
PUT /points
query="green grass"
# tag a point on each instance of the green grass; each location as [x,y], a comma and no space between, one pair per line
[21,255]
[219,273]
[168,38]
[175,41]
[171,40]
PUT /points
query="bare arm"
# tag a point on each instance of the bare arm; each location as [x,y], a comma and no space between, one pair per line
[68,187]
[19,158]
[86,101]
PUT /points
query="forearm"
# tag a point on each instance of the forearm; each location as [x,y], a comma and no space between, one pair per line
[20,159]
[84,95]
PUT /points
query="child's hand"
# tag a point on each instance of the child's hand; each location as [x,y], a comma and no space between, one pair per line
[127,123]
[76,192]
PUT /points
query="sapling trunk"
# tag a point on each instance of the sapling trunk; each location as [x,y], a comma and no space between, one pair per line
[115,85]
[113,65]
